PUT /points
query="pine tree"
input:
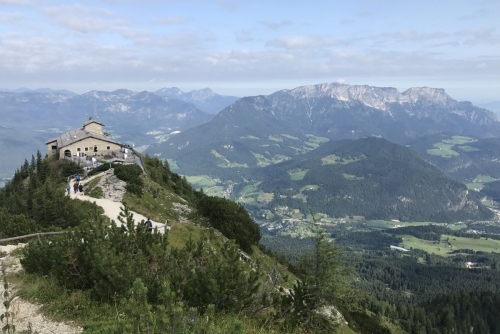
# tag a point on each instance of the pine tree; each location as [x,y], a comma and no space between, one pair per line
[323,288]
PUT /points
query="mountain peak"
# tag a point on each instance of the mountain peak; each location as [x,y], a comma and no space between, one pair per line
[169,92]
[201,94]
[375,97]
[437,95]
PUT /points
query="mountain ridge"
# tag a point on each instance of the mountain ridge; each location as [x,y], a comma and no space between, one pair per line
[204,99]
[332,111]
[369,94]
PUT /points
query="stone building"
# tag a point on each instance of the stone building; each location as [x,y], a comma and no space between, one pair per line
[90,140]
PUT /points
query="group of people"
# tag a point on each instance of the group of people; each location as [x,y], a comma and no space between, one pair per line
[77,185]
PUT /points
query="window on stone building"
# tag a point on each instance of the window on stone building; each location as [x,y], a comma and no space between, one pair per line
[78,149]
[108,148]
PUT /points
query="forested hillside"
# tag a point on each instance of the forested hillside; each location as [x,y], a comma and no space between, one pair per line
[420,291]
[462,158]
[368,177]
[193,278]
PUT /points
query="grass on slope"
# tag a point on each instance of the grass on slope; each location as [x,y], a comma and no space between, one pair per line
[252,195]
[297,174]
[78,308]
[479,181]
[333,159]
[92,190]
[157,203]
[444,148]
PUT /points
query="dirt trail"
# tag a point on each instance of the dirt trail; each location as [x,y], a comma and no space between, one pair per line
[113,189]
[28,314]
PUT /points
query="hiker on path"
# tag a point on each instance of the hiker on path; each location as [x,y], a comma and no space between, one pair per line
[149,225]
[75,187]
[80,187]
[68,189]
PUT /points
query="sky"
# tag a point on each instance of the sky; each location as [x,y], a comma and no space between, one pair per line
[251,47]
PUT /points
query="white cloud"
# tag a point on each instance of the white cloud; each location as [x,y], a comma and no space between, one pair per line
[10,17]
[128,42]
[84,19]
[415,36]
[170,20]
[303,42]
[244,36]
[277,25]
[15,2]
[482,35]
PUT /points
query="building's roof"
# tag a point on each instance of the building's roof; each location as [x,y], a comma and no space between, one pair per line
[76,135]
[90,121]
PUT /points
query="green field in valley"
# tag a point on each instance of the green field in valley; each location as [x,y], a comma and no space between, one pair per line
[383,224]
[450,243]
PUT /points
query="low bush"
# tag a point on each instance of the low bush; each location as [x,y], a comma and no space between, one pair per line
[13,225]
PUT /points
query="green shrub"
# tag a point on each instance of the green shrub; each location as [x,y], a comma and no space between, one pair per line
[12,225]
[68,168]
[99,169]
[98,257]
[130,174]
[231,219]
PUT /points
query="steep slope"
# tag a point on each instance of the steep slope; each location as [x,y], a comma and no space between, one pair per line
[369,177]
[283,121]
[239,137]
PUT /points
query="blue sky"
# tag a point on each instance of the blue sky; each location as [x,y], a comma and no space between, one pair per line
[251,47]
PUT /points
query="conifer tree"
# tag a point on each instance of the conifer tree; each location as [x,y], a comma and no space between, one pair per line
[323,288]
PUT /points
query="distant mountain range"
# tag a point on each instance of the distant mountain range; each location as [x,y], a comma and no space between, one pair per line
[39,91]
[203,99]
[263,130]
[280,151]
[29,117]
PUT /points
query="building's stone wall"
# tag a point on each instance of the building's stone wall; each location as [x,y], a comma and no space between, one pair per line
[52,148]
[88,147]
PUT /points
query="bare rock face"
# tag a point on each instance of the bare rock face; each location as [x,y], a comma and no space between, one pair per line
[113,188]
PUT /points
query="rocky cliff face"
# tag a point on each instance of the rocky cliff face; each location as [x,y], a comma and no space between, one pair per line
[386,99]
[352,111]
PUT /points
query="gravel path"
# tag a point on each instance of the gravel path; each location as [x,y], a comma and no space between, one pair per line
[113,189]
[28,314]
